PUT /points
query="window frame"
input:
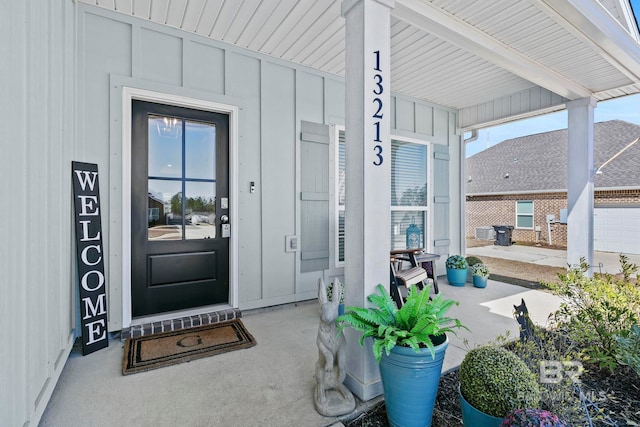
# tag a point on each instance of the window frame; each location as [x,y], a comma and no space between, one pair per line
[529,215]
[338,208]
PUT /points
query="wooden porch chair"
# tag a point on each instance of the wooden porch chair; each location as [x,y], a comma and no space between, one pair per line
[401,278]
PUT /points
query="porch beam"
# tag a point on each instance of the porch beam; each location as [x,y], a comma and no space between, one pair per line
[580,181]
[434,20]
[368,173]
[523,104]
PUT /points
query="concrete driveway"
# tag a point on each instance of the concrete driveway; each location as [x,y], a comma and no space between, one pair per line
[604,262]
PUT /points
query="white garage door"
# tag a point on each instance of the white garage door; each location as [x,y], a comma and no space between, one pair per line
[617,230]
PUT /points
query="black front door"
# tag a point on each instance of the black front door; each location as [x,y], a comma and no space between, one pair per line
[179,208]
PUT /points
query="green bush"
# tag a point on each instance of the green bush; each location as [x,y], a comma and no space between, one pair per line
[473,260]
[596,309]
[544,346]
[495,381]
[628,352]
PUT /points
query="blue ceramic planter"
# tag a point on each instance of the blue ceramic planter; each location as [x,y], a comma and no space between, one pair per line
[456,277]
[472,417]
[479,282]
[410,383]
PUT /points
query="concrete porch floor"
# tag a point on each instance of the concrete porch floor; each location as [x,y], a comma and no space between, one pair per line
[270,384]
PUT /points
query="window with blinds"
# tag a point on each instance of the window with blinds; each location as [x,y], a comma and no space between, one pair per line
[524,214]
[408,193]
[340,181]
[409,208]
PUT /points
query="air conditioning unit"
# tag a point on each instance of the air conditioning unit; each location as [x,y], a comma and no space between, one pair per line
[485,233]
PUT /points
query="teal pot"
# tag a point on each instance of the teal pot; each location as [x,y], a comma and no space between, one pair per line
[472,417]
[410,382]
[456,277]
[340,309]
[479,281]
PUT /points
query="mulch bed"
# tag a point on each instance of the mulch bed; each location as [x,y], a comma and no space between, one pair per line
[617,395]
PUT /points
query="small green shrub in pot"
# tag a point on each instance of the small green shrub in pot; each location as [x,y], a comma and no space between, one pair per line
[473,260]
[457,262]
[496,381]
[480,270]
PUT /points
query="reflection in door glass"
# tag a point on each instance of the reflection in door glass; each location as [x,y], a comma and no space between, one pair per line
[200,210]
[182,179]
[165,210]
[165,147]
[200,149]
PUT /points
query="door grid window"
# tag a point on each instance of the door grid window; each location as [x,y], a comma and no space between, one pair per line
[182,179]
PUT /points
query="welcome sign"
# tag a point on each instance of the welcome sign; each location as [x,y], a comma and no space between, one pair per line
[89,254]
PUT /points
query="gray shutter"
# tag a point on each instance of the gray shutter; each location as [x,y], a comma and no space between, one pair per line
[314,197]
[441,196]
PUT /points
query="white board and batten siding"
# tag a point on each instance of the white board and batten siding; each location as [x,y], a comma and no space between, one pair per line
[66,85]
[38,87]
[617,229]
[275,98]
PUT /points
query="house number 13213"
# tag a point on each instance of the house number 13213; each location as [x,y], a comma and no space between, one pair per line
[377,106]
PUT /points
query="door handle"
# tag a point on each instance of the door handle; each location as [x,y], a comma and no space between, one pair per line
[224,219]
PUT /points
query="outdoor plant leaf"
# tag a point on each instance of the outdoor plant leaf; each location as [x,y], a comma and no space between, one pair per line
[457,262]
[496,381]
[628,352]
[597,309]
[480,270]
[414,325]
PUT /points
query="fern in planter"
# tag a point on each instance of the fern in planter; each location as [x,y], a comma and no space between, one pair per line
[414,325]
[414,341]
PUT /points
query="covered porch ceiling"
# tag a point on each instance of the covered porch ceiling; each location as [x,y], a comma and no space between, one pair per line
[495,61]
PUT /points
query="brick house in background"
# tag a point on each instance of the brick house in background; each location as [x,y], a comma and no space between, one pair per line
[520,181]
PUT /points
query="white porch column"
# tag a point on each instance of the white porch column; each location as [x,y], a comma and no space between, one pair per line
[368,173]
[580,181]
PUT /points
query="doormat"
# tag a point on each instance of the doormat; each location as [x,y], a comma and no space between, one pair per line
[170,348]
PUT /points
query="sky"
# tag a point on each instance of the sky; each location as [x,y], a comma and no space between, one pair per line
[626,108]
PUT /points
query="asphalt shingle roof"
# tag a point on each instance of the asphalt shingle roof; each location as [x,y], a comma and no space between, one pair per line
[538,162]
